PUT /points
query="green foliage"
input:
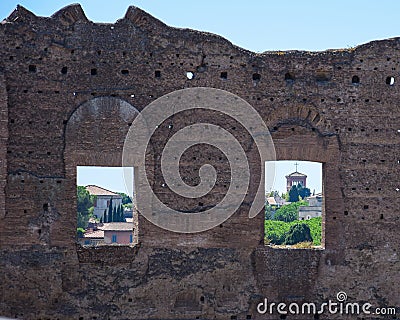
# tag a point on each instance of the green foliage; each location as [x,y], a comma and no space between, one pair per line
[268,212]
[121,213]
[110,211]
[303,191]
[80,232]
[84,206]
[125,198]
[289,212]
[105,220]
[293,194]
[128,205]
[299,232]
[276,231]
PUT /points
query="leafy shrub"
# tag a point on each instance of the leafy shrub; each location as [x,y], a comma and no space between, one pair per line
[299,232]
[276,231]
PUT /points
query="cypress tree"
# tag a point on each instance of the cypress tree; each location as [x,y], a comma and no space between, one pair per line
[115,218]
[122,213]
[105,216]
[110,212]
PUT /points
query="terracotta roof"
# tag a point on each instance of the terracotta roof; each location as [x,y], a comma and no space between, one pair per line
[99,191]
[94,234]
[117,226]
[296,174]
[271,201]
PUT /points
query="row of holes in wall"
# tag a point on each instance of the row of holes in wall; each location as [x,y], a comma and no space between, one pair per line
[224,75]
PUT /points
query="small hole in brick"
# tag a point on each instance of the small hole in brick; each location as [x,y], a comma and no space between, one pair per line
[201,204]
[346,213]
[41,181]
[25,211]
[189,75]
[157,74]
[201,299]
[366,207]
[125,72]
[12,120]
[322,100]
[376,130]
[129,299]
[48,153]
[40,91]
[93,71]
[366,100]
[334,218]
[30,152]
[381,216]
[224,75]
[45,206]
[22,181]
[355,79]
[64,70]
[248,317]
[289,76]
[32,68]
[256,77]
[390,81]
[233,317]
[292,129]
[58,181]
[338,99]
[40,231]
[271,99]
[367,188]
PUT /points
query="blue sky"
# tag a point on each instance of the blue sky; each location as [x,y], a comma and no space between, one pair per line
[254,25]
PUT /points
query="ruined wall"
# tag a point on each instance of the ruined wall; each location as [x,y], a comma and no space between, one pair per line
[69,91]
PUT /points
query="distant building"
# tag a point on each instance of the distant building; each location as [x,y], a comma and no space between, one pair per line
[276,200]
[313,210]
[295,178]
[103,198]
[92,238]
[118,233]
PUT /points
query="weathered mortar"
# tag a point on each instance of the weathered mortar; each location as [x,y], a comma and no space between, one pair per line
[51,72]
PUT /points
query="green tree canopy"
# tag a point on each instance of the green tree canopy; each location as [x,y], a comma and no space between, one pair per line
[293,194]
[84,206]
[303,191]
[299,232]
[125,198]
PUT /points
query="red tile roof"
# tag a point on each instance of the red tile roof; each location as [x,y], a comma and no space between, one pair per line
[99,191]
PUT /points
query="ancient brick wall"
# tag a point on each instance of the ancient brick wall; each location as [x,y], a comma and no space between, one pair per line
[69,91]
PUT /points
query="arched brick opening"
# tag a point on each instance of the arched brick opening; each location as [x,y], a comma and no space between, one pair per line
[94,136]
[298,137]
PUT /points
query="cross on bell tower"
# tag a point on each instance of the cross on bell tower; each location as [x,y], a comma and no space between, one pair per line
[295,178]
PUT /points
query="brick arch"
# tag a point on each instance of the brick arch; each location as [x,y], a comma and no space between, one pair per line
[302,115]
[94,136]
[96,130]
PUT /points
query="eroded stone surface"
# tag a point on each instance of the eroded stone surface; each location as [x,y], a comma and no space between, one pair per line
[336,107]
